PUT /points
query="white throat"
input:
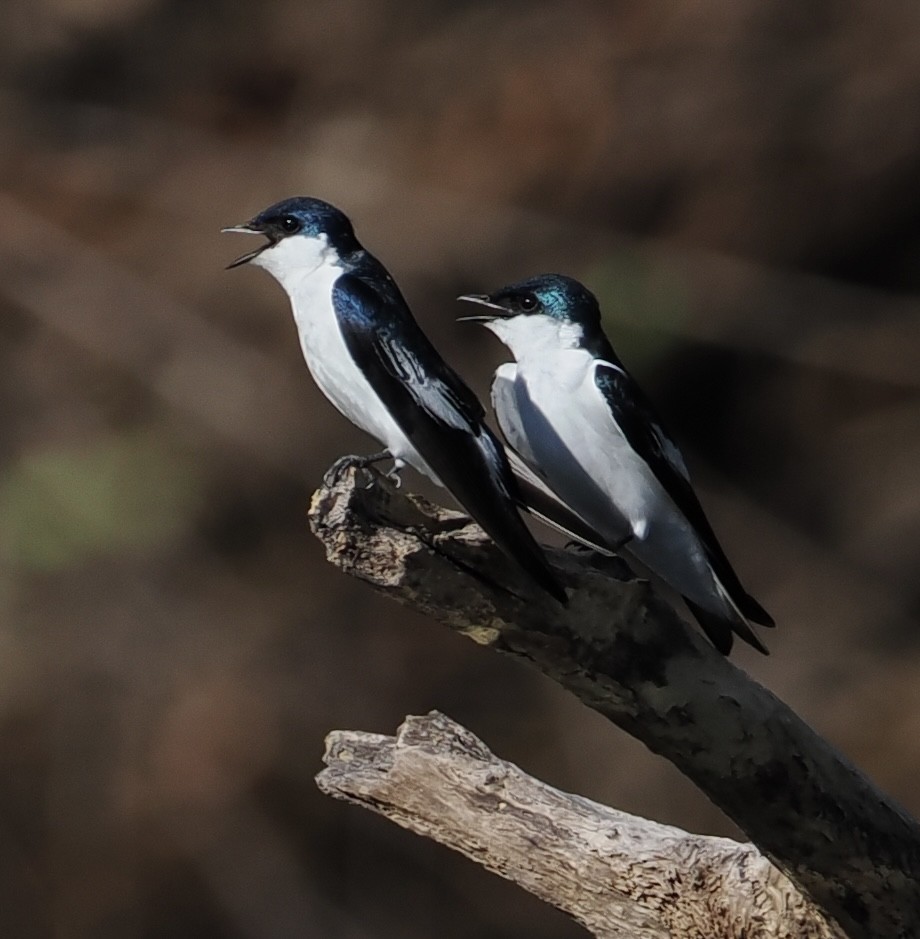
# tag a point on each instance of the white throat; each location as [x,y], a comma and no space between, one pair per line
[308,268]
[536,336]
[295,258]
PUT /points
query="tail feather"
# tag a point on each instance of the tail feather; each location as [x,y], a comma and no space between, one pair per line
[538,499]
[753,611]
[492,501]
[506,528]
[719,629]
[501,522]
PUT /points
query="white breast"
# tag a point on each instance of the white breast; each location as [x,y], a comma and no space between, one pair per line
[577,446]
[574,441]
[308,268]
[580,449]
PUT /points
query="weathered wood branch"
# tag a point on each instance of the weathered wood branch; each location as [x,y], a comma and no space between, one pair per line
[624,652]
[620,876]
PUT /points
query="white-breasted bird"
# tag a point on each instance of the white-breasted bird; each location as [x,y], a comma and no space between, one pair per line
[371,359]
[578,419]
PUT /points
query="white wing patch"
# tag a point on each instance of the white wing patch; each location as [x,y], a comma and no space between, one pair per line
[670,452]
[492,450]
[431,396]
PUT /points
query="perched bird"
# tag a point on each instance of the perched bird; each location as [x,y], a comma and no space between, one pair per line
[577,418]
[373,362]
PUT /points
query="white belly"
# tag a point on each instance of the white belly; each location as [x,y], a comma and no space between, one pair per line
[578,448]
[586,459]
[335,372]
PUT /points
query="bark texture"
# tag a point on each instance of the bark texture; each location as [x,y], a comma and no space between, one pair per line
[625,652]
[620,876]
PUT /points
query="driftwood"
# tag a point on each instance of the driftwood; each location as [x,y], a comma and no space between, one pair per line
[620,876]
[625,652]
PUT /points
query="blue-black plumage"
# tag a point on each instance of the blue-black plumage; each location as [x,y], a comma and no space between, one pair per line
[573,413]
[372,360]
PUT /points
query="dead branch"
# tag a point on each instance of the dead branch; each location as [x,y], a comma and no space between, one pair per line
[620,876]
[624,652]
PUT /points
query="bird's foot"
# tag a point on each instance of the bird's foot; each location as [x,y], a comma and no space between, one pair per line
[334,474]
[579,547]
[393,474]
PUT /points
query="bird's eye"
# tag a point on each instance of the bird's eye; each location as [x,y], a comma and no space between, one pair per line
[289,224]
[528,302]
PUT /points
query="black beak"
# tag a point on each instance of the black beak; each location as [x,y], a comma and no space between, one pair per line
[248,228]
[484,300]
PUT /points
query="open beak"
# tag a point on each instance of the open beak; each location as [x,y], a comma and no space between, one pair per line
[483,300]
[248,228]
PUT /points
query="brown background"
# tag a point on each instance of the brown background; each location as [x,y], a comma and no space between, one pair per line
[741,186]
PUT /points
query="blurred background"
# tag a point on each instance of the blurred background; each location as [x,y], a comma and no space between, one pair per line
[739,183]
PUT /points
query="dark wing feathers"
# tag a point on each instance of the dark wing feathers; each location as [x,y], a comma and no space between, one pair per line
[442,396]
[438,413]
[637,421]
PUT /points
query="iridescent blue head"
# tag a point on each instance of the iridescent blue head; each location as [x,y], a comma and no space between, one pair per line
[546,311]
[294,223]
[555,295]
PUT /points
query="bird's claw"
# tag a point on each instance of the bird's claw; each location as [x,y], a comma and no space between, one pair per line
[578,547]
[334,474]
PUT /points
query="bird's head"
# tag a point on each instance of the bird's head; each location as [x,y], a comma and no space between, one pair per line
[549,309]
[301,234]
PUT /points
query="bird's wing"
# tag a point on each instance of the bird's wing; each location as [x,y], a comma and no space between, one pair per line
[439,414]
[384,338]
[536,495]
[638,423]
[505,406]
[540,501]
[634,416]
